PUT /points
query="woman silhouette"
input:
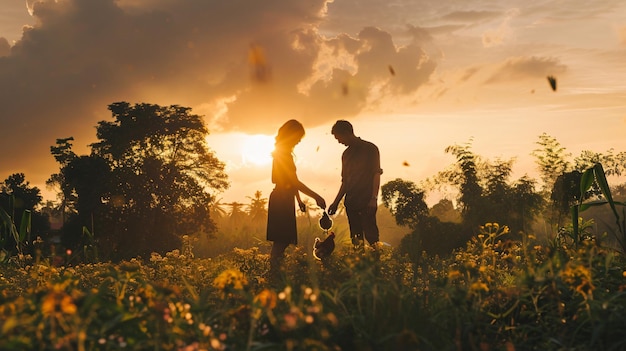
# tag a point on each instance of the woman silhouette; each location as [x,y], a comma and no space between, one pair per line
[281,212]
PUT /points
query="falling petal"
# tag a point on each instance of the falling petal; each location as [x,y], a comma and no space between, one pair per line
[258,62]
[392,71]
[405,164]
[317,149]
[344,88]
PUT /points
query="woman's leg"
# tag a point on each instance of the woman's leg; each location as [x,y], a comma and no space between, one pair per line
[276,256]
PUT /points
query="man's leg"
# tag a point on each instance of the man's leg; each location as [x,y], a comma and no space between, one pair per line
[370,227]
[356,227]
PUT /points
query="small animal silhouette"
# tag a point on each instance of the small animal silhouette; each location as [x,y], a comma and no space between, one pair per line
[325,222]
[323,248]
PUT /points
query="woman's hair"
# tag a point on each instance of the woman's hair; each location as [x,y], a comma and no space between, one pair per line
[289,134]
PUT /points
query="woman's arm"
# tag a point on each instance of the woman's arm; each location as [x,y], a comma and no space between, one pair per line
[307,191]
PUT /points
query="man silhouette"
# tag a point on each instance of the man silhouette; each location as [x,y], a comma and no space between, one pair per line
[360,181]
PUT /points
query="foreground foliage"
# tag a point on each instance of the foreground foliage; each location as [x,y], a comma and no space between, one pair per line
[492,295]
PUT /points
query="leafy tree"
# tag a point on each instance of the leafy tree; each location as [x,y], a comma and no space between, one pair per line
[18,196]
[89,180]
[24,197]
[561,178]
[445,211]
[405,201]
[147,181]
[257,209]
[236,215]
[465,176]
[613,164]
[551,160]
[63,154]
[566,191]
[486,193]
[527,204]
[619,191]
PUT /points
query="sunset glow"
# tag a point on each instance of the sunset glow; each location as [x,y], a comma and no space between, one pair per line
[412,76]
[257,149]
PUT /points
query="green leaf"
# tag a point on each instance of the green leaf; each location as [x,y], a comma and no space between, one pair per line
[587,205]
[87,233]
[604,186]
[574,212]
[25,226]
[7,227]
[586,181]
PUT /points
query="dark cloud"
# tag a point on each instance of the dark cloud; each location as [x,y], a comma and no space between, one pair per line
[471,16]
[5,47]
[82,55]
[527,67]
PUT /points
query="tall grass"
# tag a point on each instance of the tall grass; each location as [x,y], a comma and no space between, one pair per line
[494,294]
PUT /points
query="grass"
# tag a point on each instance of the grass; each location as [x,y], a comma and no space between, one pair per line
[492,295]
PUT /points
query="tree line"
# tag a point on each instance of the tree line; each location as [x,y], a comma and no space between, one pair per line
[150,179]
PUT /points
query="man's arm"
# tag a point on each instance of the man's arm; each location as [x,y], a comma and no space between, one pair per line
[333,207]
[376,185]
[373,203]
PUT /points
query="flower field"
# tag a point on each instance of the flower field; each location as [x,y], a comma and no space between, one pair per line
[495,294]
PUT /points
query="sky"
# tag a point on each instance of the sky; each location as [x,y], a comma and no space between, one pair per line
[412,76]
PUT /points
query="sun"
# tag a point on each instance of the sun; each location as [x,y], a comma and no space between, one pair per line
[257,149]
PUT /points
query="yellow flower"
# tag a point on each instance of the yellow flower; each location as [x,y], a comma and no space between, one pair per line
[454,274]
[580,277]
[266,298]
[479,286]
[230,278]
[58,300]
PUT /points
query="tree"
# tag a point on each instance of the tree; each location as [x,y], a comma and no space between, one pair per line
[148,180]
[405,201]
[486,193]
[561,177]
[16,197]
[445,211]
[63,154]
[257,209]
[613,164]
[527,204]
[551,159]
[465,176]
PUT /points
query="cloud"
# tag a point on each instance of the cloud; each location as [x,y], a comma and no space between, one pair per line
[471,16]
[527,67]
[82,55]
[497,36]
[5,47]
